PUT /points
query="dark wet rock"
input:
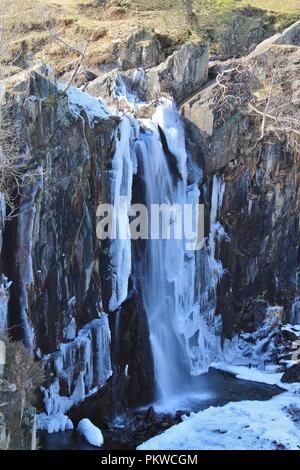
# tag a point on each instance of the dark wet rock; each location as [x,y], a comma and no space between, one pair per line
[57,211]
[253,315]
[132,359]
[290,335]
[150,416]
[260,207]
[292,374]
[59,269]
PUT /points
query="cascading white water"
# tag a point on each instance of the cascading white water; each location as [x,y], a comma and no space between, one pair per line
[168,268]
[180,313]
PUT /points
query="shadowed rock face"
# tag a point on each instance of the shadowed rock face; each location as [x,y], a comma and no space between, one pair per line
[260,208]
[52,254]
[60,271]
[181,74]
[260,213]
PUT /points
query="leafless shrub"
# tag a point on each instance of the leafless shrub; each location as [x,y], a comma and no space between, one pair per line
[9,169]
[79,50]
[274,102]
[277,107]
[232,91]
[27,375]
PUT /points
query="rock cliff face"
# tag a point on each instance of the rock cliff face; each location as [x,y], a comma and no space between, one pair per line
[260,170]
[60,272]
[63,277]
[50,249]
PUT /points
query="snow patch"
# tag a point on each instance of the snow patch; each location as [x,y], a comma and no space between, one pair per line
[245,425]
[79,101]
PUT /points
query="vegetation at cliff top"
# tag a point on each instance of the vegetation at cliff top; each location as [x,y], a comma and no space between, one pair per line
[30,24]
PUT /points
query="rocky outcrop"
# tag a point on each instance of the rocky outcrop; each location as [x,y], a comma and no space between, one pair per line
[142,49]
[67,152]
[182,73]
[249,27]
[60,272]
[290,35]
[260,169]
[292,374]
[215,122]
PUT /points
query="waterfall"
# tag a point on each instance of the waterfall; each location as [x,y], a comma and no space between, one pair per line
[295,309]
[180,323]
[179,299]
[167,269]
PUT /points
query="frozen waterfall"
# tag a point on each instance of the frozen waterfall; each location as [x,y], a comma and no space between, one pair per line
[179,299]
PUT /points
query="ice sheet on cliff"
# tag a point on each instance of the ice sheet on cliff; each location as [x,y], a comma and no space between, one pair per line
[123,169]
[90,349]
[80,101]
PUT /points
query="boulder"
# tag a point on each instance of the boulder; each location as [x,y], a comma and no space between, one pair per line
[103,86]
[215,130]
[141,49]
[37,80]
[290,36]
[182,74]
[90,432]
[289,333]
[292,374]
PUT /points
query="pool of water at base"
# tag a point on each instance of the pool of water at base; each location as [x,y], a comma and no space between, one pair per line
[127,431]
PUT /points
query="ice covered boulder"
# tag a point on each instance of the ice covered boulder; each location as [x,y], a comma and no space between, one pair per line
[90,432]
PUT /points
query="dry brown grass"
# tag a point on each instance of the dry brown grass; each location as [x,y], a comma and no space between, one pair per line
[27,25]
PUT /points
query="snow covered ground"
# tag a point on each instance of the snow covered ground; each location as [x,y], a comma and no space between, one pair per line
[245,425]
[253,374]
[79,100]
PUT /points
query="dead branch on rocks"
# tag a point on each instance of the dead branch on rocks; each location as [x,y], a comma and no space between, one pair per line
[232,90]
[52,28]
[277,105]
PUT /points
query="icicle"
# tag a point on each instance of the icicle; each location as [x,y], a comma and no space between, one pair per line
[123,168]
[90,350]
[4,288]
[295,312]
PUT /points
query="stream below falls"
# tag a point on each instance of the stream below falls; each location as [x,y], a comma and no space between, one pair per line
[126,432]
